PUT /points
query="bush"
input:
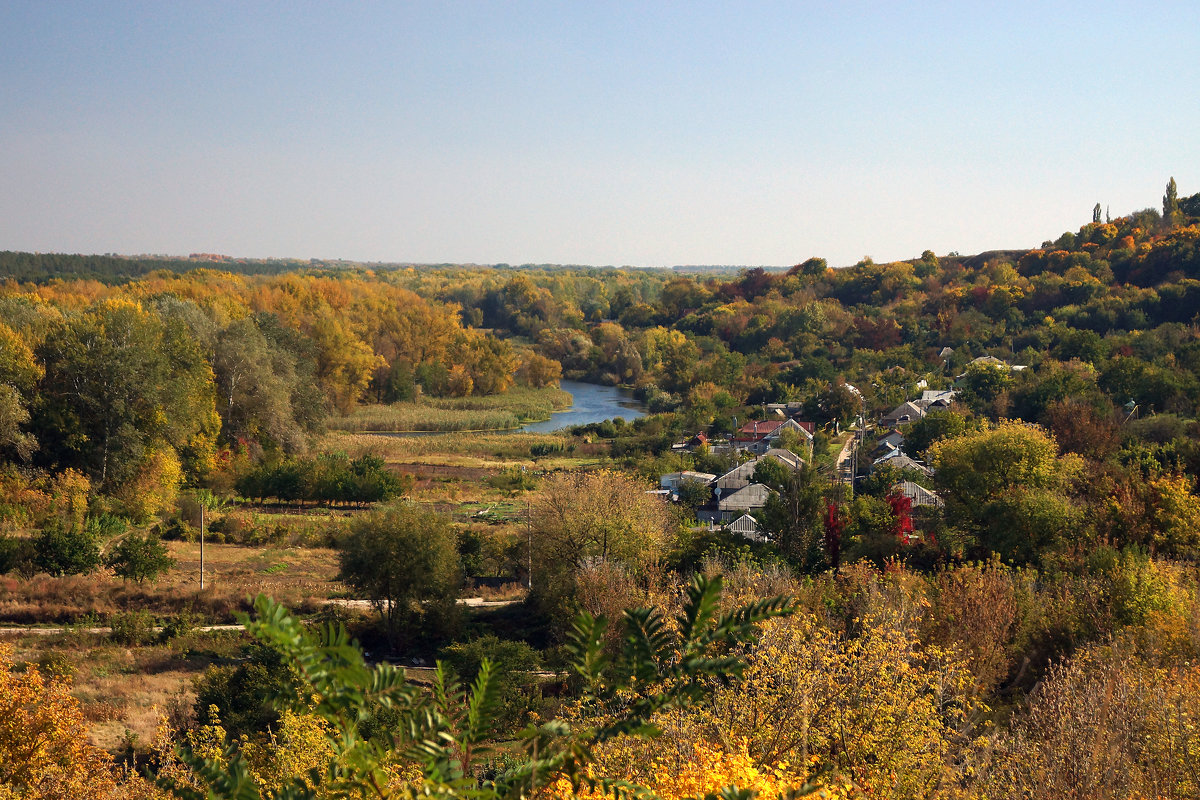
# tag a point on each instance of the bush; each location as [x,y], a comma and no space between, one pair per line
[66,551]
[17,555]
[518,691]
[57,665]
[132,628]
[180,626]
[243,694]
[138,557]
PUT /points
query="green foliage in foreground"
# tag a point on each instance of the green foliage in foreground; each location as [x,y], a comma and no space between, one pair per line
[447,731]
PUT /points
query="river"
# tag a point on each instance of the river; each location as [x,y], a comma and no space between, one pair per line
[591,402]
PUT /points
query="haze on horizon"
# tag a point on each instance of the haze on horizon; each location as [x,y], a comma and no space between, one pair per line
[602,133]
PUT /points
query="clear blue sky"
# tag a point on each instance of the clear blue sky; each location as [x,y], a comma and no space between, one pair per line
[639,133]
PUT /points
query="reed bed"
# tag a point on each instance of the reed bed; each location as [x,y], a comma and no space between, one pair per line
[457,414]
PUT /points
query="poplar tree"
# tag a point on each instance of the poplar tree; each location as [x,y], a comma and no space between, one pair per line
[1170,200]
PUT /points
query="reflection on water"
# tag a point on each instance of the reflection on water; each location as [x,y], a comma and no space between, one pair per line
[591,403]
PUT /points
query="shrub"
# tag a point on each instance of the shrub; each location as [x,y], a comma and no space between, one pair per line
[517,689]
[17,555]
[66,551]
[138,557]
[56,665]
[131,628]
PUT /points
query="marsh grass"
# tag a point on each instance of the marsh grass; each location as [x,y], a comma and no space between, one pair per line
[489,413]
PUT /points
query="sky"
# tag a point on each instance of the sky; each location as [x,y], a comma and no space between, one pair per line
[637,133]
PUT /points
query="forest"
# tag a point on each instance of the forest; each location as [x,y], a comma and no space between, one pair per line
[476,612]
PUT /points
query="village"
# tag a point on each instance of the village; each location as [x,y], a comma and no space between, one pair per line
[733,501]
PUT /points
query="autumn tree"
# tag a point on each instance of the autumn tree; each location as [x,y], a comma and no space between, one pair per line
[584,518]
[44,748]
[13,417]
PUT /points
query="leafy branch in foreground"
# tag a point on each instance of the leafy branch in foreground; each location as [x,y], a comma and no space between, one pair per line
[442,743]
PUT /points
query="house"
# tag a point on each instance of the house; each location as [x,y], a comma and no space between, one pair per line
[901,461]
[748,527]
[737,478]
[903,414]
[891,441]
[919,495]
[748,498]
[785,457]
[792,409]
[672,480]
[760,435]
[936,398]
[697,442]
[888,454]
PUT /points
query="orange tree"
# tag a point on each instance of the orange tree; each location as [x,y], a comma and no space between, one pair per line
[44,751]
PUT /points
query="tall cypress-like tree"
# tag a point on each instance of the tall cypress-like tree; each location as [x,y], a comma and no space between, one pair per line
[1171,200]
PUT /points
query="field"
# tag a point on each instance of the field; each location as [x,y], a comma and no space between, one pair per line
[131,679]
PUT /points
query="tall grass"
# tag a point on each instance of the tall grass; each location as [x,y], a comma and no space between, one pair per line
[489,446]
[489,413]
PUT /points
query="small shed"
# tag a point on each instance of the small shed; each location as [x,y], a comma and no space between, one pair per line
[748,527]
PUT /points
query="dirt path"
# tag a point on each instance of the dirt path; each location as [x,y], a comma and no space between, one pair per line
[365,605]
[101,631]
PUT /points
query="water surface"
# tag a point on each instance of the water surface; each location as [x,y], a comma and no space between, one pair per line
[591,402]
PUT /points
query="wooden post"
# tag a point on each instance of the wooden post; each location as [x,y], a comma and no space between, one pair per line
[202,546]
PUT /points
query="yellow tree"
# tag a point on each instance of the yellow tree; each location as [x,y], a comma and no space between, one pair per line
[44,750]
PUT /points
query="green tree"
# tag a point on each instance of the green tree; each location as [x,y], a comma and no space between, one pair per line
[935,426]
[120,386]
[66,550]
[983,385]
[405,561]
[1096,212]
[1171,201]
[793,515]
[1007,486]
[139,558]
[245,694]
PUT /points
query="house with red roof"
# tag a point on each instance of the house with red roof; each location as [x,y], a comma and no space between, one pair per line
[759,436]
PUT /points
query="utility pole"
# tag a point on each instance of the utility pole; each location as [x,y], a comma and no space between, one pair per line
[529,533]
[202,546]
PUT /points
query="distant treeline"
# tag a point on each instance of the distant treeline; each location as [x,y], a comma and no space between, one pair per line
[40,267]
